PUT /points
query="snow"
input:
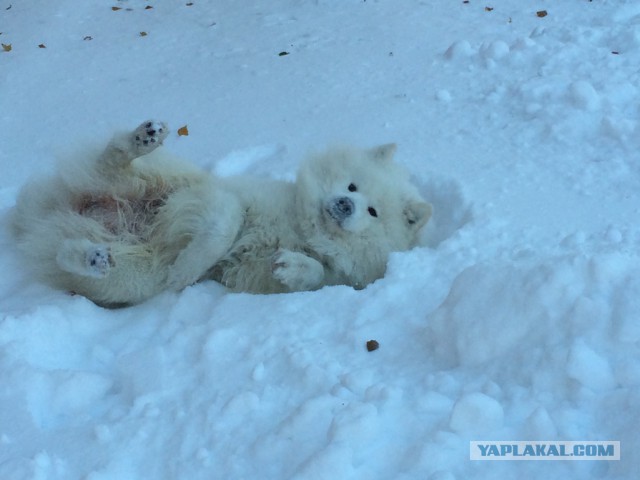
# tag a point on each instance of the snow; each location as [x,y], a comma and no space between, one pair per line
[517,318]
[476,412]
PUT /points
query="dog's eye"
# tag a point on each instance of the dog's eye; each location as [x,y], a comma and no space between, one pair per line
[352,187]
[372,212]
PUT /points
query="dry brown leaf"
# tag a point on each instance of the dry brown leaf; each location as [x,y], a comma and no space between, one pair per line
[42,45]
[488,9]
[6,47]
[372,345]
[148,7]
[115,9]
[143,34]
[183,131]
[541,13]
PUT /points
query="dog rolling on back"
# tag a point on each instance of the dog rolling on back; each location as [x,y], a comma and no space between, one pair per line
[128,223]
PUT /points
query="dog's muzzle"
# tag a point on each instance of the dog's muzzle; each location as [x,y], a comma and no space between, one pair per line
[341,208]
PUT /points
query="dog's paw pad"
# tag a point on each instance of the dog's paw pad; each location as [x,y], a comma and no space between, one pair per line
[149,135]
[99,261]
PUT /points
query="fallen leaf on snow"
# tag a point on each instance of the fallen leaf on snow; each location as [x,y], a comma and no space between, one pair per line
[115,9]
[183,131]
[7,47]
[42,45]
[488,9]
[541,13]
[143,34]
[372,345]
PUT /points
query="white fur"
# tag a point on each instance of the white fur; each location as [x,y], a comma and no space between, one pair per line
[128,223]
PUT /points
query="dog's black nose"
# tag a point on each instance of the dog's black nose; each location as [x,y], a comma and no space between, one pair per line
[345,206]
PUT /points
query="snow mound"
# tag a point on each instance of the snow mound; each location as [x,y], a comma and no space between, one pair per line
[253,161]
[451,211]
[476,413]
[496,311]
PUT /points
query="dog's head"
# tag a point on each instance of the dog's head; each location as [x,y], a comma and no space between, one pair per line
[361,196]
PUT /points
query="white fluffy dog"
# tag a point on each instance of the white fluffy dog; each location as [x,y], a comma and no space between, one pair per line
[128,223]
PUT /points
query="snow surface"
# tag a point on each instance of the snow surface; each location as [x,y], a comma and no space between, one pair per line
[516,319]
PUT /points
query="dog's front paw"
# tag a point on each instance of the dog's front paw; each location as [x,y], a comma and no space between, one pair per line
[98,261]
[297,271]
[149,136]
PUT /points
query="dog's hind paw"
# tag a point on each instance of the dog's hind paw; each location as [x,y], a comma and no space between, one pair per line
[82,257]
[98,261]
[149,136]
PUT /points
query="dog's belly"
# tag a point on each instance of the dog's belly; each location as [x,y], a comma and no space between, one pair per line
[128,215]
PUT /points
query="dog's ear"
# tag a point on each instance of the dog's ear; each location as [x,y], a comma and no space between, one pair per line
[417,214]
[383,153]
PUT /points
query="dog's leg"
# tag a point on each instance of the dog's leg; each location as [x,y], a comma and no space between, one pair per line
[82,257]
[297,271]
[123,149]
[195,259]
[109,275]
[206,247]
